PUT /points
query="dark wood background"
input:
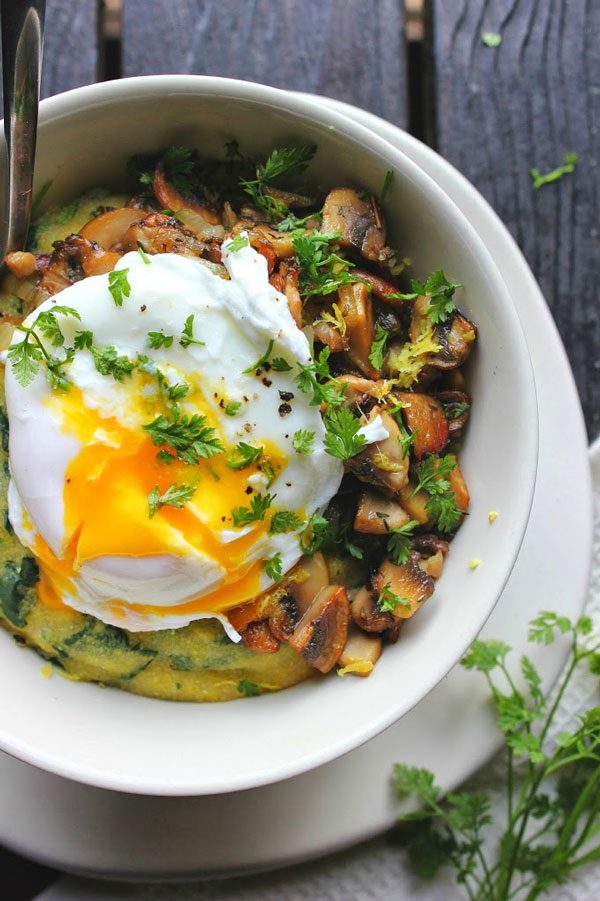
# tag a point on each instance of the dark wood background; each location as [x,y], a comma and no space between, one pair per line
[494,113]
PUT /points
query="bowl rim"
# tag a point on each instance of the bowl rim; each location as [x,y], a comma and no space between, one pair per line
[306,107]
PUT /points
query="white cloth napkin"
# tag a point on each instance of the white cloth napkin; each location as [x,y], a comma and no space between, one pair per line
[375,870]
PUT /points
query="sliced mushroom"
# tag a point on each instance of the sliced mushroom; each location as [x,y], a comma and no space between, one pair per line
[382,464]
[74,259]
[108,229]
[425,418]
[309,577]
[358,223]
[282,243]
[459,486]
[321,634]
[172,199]
[367,614]
[429,545]
[414,502]
[433,565]
[360,390]
[455,336]
[327,333]
[381,288]
[286,281]
[356,308]
[456,406]
[408,581]
[157,233]
[292,199]
[21,263]
[377,514]
[361,652]
[257,637]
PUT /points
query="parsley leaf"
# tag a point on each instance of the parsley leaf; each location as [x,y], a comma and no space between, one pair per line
[441,507]
[321,272]
[158,339]
[280,365]
[189,436]
[274,568]
[243,455]
[83,340]
[187,336]
[238,243]
[398,545]
[175,496]
[261,360]
[303,441]
[108,362]
[284,521]
[308,381]
[293,223]
[378,346]
[259,505]
[568,168]
[341,439]
[47,323]
[388,600]
[118,285]
[284,161]
[440,293]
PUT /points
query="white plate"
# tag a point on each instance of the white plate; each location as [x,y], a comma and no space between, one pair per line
[93,831]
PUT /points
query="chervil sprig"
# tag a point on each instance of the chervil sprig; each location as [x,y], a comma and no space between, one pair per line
[27,355]
[175,496]
[342,439]
[155,340]
[274,568]
[260,503]
[552,801]
[187,335]
[406,439]
[303,441]
[243,455]
[440,293]
[327,391]
[118,285]
[261,360]
[388,600]
[431,477]
[188,436]
[108,362]
[321,271]
[398,545]
[378,346]
[284,521]
[284,161]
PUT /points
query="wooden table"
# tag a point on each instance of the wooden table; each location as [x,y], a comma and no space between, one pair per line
[493,112]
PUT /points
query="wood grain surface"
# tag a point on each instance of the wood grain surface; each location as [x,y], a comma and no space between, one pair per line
[527,103]
[71,45]
[353,51]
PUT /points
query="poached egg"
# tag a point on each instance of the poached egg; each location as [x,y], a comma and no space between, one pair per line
[91,481]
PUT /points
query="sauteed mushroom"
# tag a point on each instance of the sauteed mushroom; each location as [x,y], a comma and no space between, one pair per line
[321,634]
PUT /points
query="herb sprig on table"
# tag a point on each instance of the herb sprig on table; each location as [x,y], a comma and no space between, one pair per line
[553,797]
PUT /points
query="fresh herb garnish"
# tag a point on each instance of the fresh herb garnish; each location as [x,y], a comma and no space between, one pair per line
[406,439]
[188,436]
[274,568]
[456,410]
[321,272]
[175,496]
[240,241]
[320,533]
[261,360]
[491,38]
[309,381]
[187,335]
[431,476]
[232,407]
[158,339]
[83,340]
[284,521]
[388,600]
[569,167]
[118,285]
[108,362]
[440,293]
[378,346]
[259,505]
[280,365]
[398,546]
[243,455]
[387,184]
[552,803]
[27,356]
[342,439]
[284,161]
[143,255]
[293,223]
[179,165]
[303,441]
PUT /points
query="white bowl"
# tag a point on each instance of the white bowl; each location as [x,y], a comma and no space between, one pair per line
[121,741]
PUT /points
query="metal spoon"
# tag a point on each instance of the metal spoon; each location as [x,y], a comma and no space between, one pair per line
[22,38]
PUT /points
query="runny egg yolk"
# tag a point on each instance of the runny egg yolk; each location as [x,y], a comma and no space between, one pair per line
[107,513]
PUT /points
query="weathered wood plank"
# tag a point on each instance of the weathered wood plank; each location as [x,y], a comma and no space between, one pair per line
[346,49]
[71,45]
[527,103]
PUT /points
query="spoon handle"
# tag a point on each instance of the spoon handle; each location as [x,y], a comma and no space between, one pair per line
[22,36]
